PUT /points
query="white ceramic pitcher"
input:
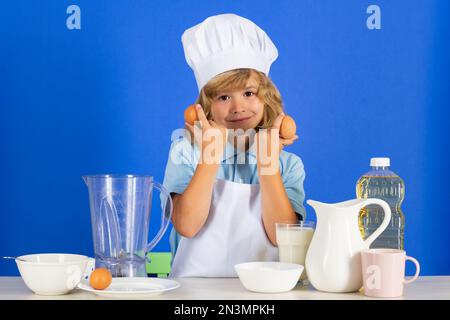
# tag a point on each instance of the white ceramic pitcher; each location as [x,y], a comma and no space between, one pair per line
[333,261]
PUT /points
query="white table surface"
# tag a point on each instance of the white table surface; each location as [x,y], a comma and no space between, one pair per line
[436,287]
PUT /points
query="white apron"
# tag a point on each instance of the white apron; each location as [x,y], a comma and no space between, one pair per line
[233,233]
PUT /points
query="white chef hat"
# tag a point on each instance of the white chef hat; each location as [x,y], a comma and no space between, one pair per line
[226,42]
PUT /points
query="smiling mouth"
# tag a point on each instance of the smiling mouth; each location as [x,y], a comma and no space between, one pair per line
[240,120]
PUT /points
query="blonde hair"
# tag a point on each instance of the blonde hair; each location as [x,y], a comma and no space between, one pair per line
[237,80]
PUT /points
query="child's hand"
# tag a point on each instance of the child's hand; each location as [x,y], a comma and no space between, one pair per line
[210,137]
[277,125]
[281,141]
[269,146]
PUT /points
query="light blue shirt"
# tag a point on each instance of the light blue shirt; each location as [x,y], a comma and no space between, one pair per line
[237,166]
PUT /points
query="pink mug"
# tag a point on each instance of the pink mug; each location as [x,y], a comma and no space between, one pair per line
[384,272]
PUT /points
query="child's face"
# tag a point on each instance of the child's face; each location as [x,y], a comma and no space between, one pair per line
[240,108]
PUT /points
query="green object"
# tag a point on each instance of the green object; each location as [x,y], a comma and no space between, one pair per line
[159,265]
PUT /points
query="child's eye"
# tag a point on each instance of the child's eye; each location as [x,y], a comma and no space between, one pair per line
[249,93]
[223,98]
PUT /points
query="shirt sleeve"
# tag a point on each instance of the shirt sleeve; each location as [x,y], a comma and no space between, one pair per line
[293,177]
[180,166]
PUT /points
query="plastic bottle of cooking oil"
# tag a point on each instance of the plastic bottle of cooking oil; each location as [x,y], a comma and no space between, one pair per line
[382,183]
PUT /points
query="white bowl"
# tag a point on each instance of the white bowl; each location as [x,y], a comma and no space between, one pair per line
[269,277]
[52,273]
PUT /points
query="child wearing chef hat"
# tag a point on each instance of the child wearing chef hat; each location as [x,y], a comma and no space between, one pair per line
[224,213]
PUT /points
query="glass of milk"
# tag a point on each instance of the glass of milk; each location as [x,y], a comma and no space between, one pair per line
[293,241]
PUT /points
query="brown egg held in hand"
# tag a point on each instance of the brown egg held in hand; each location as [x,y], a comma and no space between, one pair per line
[100,279]
[190,114]
[288,128]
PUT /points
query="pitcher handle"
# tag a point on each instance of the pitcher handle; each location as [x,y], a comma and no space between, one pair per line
[387,219]
[164,220]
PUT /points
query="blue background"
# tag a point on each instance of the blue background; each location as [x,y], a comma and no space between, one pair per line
[106,98]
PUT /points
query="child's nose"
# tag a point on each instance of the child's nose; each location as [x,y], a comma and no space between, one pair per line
[238,106]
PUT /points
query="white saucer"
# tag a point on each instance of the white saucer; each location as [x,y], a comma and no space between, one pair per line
[132,288]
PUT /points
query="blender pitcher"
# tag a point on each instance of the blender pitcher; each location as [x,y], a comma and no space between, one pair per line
[120,216]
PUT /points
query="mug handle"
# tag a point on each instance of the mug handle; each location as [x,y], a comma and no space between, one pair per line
[417,270]
[164,219]
[387,218]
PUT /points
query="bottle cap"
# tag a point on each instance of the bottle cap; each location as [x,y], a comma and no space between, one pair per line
[380,162]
